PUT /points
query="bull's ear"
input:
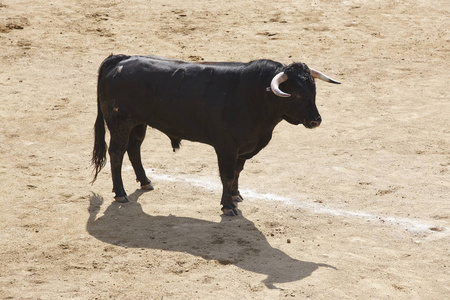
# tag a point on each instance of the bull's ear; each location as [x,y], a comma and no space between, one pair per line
[275,84]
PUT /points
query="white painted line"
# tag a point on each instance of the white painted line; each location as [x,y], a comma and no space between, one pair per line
[411,225]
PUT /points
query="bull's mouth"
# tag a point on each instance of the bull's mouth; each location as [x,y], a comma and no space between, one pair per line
[307,124]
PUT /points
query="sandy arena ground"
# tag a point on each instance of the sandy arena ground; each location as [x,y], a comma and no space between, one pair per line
[355,209]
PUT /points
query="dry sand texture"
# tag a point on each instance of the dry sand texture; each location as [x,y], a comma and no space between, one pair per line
[356,209]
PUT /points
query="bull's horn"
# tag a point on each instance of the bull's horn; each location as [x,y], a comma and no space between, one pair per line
[321,76]
[275,84]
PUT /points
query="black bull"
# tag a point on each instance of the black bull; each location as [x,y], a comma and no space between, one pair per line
[234,107]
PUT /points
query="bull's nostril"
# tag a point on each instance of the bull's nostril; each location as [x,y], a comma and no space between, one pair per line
[314,123]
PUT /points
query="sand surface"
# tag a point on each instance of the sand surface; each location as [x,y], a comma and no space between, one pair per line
[355,209]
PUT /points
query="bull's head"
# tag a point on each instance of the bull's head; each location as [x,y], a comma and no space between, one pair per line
[298,80]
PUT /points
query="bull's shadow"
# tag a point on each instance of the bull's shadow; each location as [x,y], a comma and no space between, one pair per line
[232,241]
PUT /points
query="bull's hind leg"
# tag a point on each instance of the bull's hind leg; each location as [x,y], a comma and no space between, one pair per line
[137,136]
[117,148]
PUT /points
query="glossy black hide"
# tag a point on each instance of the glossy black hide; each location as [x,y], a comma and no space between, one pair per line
[226,105]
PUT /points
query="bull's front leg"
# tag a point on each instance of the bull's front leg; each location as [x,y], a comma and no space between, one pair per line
[236,195]
[227,165]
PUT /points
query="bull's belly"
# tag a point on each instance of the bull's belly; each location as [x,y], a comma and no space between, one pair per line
[183,132]
[245,146]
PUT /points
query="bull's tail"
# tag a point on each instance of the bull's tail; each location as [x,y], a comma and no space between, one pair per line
[100,148]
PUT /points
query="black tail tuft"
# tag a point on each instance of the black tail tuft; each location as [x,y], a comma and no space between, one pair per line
[99,153]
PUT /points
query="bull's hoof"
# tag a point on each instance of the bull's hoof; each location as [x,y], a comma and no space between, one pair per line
[147,187]
[122,199]
[237,198]
[232,212]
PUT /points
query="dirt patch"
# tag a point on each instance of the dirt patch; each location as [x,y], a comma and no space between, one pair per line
[13,23]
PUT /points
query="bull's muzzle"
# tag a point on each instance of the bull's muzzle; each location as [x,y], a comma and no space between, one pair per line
[315,123]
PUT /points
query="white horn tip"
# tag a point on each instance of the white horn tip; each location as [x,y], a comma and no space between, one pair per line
[321,76]
[333,81]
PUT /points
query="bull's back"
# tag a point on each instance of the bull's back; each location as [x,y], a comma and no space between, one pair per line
[184,100]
